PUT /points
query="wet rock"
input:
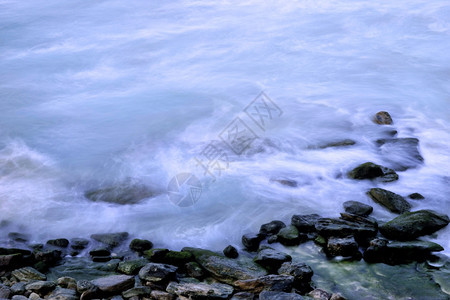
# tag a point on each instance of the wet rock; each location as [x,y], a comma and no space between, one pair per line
[101,258]
[155,272]
[63,294]
[290,236]
[18,288]
[319,294]
[11,261]
[110,239]
[230,252]
[131,267]
[79,243]
[287,182]
[342,247]
[271,295]
[337,296]
[383,118]
[165,256]
[114,283]
[401,153]
[328,227]
[140,291]
[271,259]
[281,283]
[40,287]
[416,196]
[19,297]
[200,290]
[49,257]
[305,223]
[359,219]
[9,251]
[156,254]
[394,202]
[140,246]
[84,285]
[357,208]
[411,225]
[243,296]
[34,296]
[225,269]
[302,274]
[61,243]
[194,270]
[28,274]
[251,241]
[120,194]
[160,295]
[4,291]
[271,228]
[341,143]
[18,237]
[67,282]
[370,170]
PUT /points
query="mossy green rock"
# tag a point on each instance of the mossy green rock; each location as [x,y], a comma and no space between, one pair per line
[131,267]
[395,203]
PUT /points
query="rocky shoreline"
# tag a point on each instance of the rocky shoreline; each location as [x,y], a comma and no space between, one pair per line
[127,268]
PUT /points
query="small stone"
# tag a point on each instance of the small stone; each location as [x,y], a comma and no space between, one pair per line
[357,208]
[301,272]
[28,274]
[140,246]
[63,294]
[287,182]
[243,296]
[19,297]
[290,236]
[18,288]
[4,291]
[383,118]
[251,241]
[271,228]
[416,196]
[84,285]
[337,296]
[319,294]
[160,295]
[61,243]
[34,296]
[194,270]
[370,170]
[66,281]
[281,283]
[114,283]
[155,272]
[230,252]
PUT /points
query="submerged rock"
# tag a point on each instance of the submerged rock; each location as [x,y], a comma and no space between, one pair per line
[346,247]
[416,196]
[110,239]
[357,208]
[383,118]
[200,290]
[79,243]
[341,143]
[411,225]
[121,194]
[370,170]
[395,203]
[61,243]
[282,283]
[287,182]
[401,153]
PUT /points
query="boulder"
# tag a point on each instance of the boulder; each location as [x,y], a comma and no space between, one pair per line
[281,283]
[225,269]
[411,225]
[140,246]
[401,153]
[28,274]
[200,290]
[271,295]
[370,170]
[346,247]
[383,118]
[41,287]
[61,243]
[114,284]
[251,241]
[329,227]
[357,208]
[131,267]
[157,273]
[290,236]
[305,223]
[271,259]
[110,239]
[271,228]
[395,203]
[120,194]
[230,252]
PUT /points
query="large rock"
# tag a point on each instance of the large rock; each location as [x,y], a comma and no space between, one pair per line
[271,228]
[165,256]
[155,272]
[114,283]
[140,246]
[131,267]
[251,241]
[28,274]
[61,243]
[225,269]
[200,290]
[328,227]
[120,194]
[302,274]
[9,251]
[63,294]
[401,153]
[395,203]
[41,287]
[4,291]
[281,283]
[346,247]
[383,118]
[370,170]
[271,259]
[110,239]
[357,208]
[10,261]
[271,295]
[305,223]
[290,236]
[411,225]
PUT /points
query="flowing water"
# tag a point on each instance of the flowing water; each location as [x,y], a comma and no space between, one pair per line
[98,93]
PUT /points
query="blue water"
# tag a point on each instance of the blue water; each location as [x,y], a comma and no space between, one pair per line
[96,93]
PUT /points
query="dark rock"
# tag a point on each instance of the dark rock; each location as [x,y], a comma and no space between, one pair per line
[18,237]
[84,285]
[402,153]
[290,236]
[342,247]
[337,296]
[140,291]
[243,296]
[357,208]
[11,261]
[9,251]
[383,118]
[50,257]
[156,254]
[272,239]
[411,225]
[271,295]
[305,223]
[61,243]
[114,283]
[139,245]
[63,294]
[271,259]
[359,219]
[165,256]
[41,287]
[92,293]
[131,267]
[230,252]
[301,272]
[319,294]
[225,269]
[110,239]
[328,227]
[155,272]
[78,243]
[395,203]
[194,270]
[281,283]
[160,295]
[18,288]
[101,258]
[100,252]
[342,143]
[67,282]
[251,241]
[271,228]
[5,291]
[416,196]
[370,170]
[28,274]
[121,194]
[200,290]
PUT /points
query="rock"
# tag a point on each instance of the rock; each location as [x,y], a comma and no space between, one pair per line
[101,258]
[61,243]
[290,236]
[126,193]
[79,244]
[342,247]
[305,223]
[328,227]
[281,283]
[271,295]
[165,256]
[416,196]
[271,259]
[156,254]
[337,296]
[100,252]
[357,208]
[63,294]
[11,261]
[41,287]
[131,267]
[342,143]
[194,270]
[10,251]
[84,285]
[411,225]
[370,170]
[287,182]
[34,296]
[395,203]
[230,252]
[200,290]
[19,237]
[402,153]
[114,283]
[383,118]
[251,241]
[140,246]
[4,291]
[225,269]
[301,272]
[319,294]
[50,257]
[243,296]
[140,291]
[155,272]
[110,239]
[18,288]
[92,293]
[28,274]
[271,228]
[19,297]
[160,295]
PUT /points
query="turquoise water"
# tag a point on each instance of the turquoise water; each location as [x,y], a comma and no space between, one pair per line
[93,94]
